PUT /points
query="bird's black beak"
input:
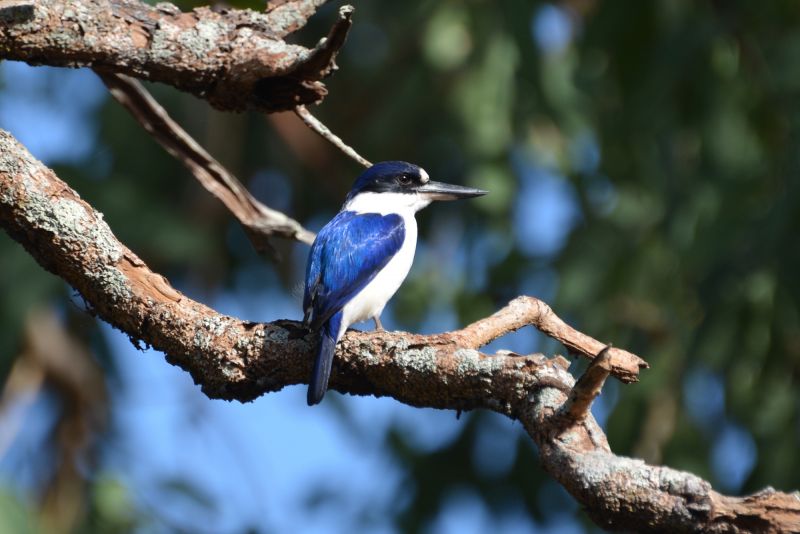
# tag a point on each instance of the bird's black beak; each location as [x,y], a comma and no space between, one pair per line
[441,191]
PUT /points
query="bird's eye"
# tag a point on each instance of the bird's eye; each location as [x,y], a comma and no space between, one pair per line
[404,179]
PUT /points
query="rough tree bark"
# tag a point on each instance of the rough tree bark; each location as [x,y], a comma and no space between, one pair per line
[235,59]
[234,359]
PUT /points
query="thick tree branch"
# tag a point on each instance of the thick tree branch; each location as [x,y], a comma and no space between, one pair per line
[235,59]
[260,222]
[234,359]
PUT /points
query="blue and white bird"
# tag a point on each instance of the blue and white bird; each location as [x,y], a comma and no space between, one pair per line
[360,258]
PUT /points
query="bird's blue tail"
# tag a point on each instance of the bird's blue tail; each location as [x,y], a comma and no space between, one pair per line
[322,365]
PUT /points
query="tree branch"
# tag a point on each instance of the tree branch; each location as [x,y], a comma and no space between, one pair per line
[234,359]
[524,311]
[587,388]
[323,131]
[260,222]
[289,16]
[235,59]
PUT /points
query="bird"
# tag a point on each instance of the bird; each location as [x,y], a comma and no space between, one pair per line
[361,257]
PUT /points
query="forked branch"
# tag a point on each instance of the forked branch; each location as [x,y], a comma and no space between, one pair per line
[524,311]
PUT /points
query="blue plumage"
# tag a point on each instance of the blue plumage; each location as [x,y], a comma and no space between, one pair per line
[346,255]
[329,334]
[348,252]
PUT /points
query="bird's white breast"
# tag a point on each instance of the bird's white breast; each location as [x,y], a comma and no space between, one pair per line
[371,300]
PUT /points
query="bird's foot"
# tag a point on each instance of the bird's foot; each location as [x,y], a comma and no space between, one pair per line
[378,325]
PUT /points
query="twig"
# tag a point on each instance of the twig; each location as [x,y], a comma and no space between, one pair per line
[524,311]
[260,221]
[587,388]
[317,126]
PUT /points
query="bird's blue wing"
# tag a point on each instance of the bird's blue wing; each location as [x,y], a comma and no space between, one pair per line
[346,255]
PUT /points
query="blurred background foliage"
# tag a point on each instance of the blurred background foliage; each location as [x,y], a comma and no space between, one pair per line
[643,162]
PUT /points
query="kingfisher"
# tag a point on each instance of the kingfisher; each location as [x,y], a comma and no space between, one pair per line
[360,258]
